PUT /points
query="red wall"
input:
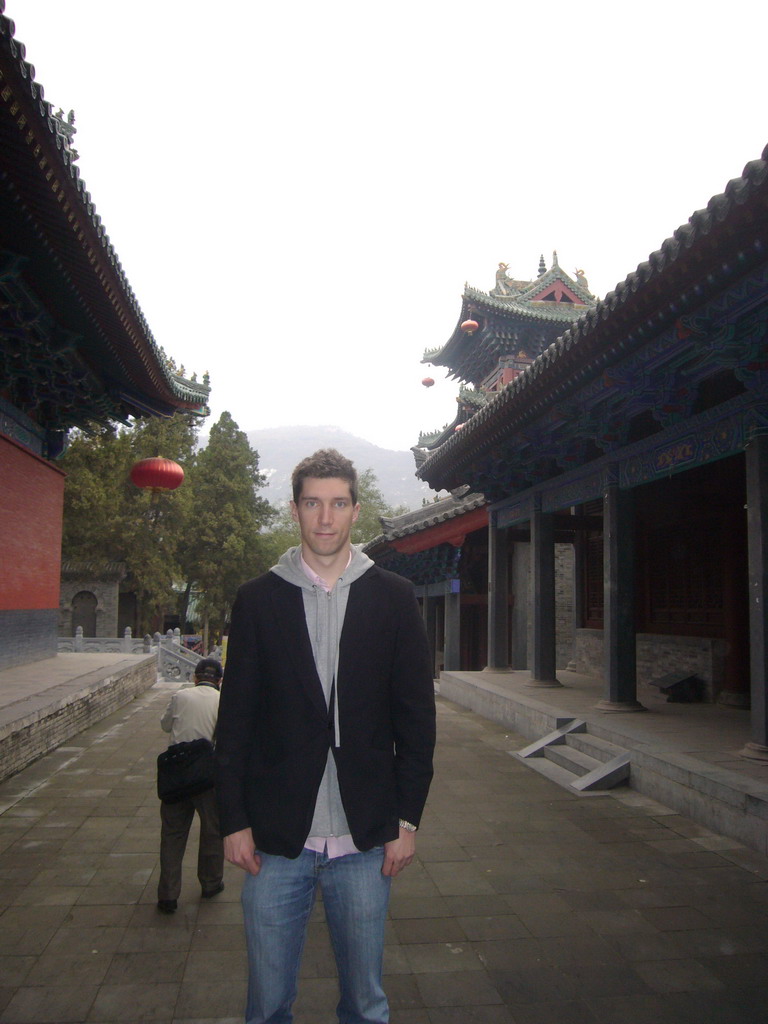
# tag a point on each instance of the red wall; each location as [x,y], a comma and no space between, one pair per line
[31,504]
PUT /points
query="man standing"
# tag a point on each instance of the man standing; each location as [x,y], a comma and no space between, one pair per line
[191,715]
[325,741]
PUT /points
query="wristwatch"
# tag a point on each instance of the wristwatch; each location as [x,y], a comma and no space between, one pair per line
[407,825]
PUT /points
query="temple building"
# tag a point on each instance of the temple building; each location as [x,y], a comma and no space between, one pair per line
[637,442]
[75,349]
[499,334]
[443,547]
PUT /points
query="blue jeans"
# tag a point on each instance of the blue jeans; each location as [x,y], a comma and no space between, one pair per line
[276,906]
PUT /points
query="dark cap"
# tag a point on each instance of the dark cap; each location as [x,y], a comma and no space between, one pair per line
[208,670]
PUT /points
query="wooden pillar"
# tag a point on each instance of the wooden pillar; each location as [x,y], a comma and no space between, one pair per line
[520,586]
[452,627]
[757,539]
[578,593]
[543,661]
[498,601]
[619,654]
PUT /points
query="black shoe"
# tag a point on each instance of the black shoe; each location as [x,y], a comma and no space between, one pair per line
[167,906]
[208,893]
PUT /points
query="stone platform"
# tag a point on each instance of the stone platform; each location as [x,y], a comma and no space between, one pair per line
[44,704]
[686,756]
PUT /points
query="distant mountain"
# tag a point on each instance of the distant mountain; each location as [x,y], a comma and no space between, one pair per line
[281,448]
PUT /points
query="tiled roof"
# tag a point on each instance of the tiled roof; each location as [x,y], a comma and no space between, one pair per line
[457,504]
[516,306]
[93,570]
[40,176]
[716,243]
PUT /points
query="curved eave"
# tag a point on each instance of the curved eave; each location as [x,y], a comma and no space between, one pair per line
[454,355]
[445,522]
[435,514]
[717,244]
[453,531]
[38,170]
[513,307]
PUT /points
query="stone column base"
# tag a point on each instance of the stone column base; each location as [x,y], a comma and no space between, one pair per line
[754,751]
[620,705]
[542,684]
[731,699]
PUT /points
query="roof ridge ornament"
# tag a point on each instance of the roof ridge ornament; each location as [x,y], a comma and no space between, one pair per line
[66,131]
[504,284]
[542,265]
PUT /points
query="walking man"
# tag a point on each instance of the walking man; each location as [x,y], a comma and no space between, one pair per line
[191,715]
[324,749]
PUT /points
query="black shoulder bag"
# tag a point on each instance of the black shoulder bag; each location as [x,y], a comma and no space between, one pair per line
[184,770]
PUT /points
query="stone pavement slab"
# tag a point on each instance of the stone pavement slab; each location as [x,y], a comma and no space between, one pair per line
[526,904]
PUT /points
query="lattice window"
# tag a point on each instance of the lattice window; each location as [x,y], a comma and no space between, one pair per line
[592,570]
[684,588]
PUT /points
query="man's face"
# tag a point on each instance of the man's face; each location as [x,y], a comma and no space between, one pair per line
[325,514]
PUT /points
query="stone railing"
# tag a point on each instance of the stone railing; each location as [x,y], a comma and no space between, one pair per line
[173,660]
[125,644]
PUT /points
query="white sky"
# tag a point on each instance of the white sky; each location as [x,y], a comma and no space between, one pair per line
[298,191]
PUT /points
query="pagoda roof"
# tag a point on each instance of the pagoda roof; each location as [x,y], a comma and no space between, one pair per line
[528,317]
[467,404]
[72,334]
[718,245]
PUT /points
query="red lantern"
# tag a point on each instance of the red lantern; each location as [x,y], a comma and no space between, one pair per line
[469,327]
[158,474]
[428,382]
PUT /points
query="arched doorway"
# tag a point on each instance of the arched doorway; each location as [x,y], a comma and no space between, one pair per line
[84,612]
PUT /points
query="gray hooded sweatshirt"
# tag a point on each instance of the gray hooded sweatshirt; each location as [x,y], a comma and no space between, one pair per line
[325,617]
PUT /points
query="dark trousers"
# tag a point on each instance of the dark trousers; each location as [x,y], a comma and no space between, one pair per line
[176,821]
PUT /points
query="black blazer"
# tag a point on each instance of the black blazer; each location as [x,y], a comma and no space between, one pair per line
[274,729]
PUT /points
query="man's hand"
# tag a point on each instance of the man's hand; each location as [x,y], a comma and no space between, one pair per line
[239,849]
[399,853]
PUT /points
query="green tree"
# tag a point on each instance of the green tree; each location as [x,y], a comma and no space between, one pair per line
[372,507]
[224,544]
[283,533]
[107,518]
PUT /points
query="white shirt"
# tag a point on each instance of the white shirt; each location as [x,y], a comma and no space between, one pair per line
[191,714]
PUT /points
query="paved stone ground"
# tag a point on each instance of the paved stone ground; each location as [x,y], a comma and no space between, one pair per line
[527,905]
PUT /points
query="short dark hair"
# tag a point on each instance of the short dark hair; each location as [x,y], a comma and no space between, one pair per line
[325,463]
[209,670]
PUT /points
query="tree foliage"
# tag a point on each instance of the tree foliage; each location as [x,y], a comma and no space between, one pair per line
[372,508]
[224,544]
[204,536]
[107,518]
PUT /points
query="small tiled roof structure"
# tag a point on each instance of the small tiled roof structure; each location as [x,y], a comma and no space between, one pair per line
[718,244]
[75,348]
[102,570]
[449,510]
[425,544]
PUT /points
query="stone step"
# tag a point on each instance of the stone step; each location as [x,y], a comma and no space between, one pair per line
[594,746]
[553,772]
[573,758]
